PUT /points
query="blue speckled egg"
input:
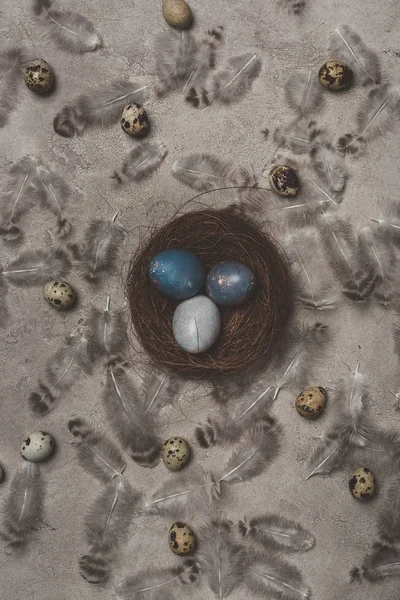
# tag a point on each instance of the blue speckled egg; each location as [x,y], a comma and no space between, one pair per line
[177,273]
[230,283]
[196,324]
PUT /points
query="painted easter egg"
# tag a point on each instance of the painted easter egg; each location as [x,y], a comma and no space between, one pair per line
[134,120]
[175,454]
[181,538]
[334,75]
[177,13]
[363,485]
[284,181]
[38,76]
[37,446]
[196,324]
[59,294]
[177,273]
[230,283]
[311,402]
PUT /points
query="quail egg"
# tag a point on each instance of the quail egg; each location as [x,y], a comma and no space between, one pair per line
[284,180]
[134,120]
[38,76]
[175,454]
[59,294]
[362,485]
[181,539]
[37,446]
[177,13]
[334,75]
[311,402]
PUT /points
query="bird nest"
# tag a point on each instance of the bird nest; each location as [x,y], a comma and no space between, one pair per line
[250,333]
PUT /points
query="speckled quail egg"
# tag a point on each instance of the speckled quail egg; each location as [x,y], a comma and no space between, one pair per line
[334,76]
[59,294]
[134,120]
[181,539]
[284,180]
[175,454]
[177,13]
[37,446]
[362,485]
[38,76]
[311,402]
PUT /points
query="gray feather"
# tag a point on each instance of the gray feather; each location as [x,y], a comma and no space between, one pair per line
[205,171]
[347,46]
[109,338]
[12,59]
[141,162]
[235,79]
[277,533]
[382,563]
[303,93]
[53,193]
[330,453]
[37,267]
[174,55]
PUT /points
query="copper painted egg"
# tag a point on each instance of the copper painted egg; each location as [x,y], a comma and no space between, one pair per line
[181,539]
[38,76]
[284,180]
[60,294]
[134,120]
[334,75]
[175,454]
[363,485]
[311,402]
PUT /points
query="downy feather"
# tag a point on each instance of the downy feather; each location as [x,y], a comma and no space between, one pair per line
[96,453]
[293,7]
[37,267]
[124,409]
[100,247]
[235,79]
[376,117]
[277,533]
[69,30]
[257,450]
[190,492]
[204,62]
[314,288]
[329,166]
[389,515]
[303,350]
[70,363]
[12,59]
[175,59]
[18,196]
[387,227]
[109,338]
[299,135]
[349,406]
[220,557]
[301,213]
[106,528]
[158,583]
[53,193]
[330,453]
[357,279]
[101,106]
[271,578]
[303,93]
[381,258]
[347,46]
[381,563]
[22,509]
[158,391]
[205,171]
[141,162]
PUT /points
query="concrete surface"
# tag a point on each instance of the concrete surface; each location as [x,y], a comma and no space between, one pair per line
[344,529]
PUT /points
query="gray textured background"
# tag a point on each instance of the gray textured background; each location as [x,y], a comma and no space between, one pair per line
[344,528]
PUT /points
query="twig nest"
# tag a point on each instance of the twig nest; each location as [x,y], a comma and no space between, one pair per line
[311,402]
[181,538]
[39,76]
[230,283]
[37,446]
[251,333]
[60,294]
[196,324]
[177,273]
[177,13]
[334,76]
[134,120]
[175,454]
[284,180]
[363,485]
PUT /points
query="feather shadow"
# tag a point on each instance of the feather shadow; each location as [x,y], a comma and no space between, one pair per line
[12,61]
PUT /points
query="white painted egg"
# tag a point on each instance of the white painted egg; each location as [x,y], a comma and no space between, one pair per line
[196,324]
[37,446]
